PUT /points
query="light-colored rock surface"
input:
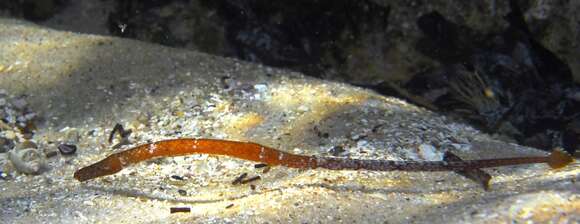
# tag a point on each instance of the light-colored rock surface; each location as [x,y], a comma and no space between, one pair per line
[82,85]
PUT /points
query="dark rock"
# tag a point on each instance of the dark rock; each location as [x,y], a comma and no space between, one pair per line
[67,149]
[6,144]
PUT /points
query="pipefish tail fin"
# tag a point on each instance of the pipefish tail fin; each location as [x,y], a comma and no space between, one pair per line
[559,159]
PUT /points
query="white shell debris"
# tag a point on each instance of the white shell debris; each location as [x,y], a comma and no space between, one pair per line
[261,88]
[430,153]
[28,161]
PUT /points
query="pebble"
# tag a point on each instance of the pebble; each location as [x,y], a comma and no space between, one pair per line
[3,125]
[176,177]
[20,103]
[9,134]
[27,161]
[336,150]
[72,135]
[303,108]
[27,144]
[6,144]
[429,152]
[50,153]
[67,149]
[5,164]
[261,87]
[88,202]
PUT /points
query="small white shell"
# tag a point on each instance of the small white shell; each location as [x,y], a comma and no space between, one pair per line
[28,161]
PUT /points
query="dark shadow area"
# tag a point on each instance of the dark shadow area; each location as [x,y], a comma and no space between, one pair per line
[33,10]
[298,34]
[504,83]
[536,186]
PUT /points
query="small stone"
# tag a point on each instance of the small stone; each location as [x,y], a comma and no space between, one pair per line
[6,144]
[336,150]
[176,177]
[261,87]
[27,135]
[5,164]
[27,144]
[182,192]
[67,149]
[50,153]
[3,125]
[72,135]
[429,152]
[89,203]
[27,161]
[20,103]
[302,108]
[9,134]
[143,119]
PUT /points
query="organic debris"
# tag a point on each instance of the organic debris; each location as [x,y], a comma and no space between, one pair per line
[251,179]
[123,134]
[239,179]
[179,209]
